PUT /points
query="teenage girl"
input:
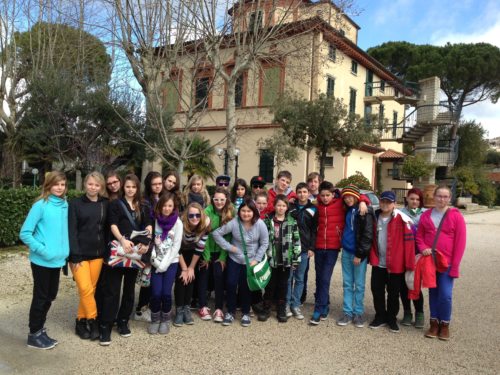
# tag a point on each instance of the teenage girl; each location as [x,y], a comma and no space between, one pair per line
[213,261]
[121,229]
[45,232]
[87,238]
[196,228]
[172,184]
[113,185]
[168,238]
[239,192]
[195,191]
[152,189]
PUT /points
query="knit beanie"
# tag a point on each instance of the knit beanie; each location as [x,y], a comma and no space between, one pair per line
[351,190]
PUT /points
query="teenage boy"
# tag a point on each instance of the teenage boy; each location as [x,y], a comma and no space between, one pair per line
[313,181]
[222,180]
[392,253]
[282,186]
[306,215]
[331,221]
[356,244]
[257,184]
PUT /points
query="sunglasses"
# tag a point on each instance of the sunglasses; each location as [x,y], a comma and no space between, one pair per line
[192,216]
[223,183]
[257,186]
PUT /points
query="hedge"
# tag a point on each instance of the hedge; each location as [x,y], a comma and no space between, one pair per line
[14,207]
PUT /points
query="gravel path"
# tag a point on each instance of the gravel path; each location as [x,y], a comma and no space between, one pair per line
[270,348]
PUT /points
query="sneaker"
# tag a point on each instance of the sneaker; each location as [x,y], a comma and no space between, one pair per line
[188,317]
[315,319]
[377,323]
[407,318]
[218,316]
[228,319]
[359,321]
[393,327]
[245,320]
[345,320]
[288,311]
[123,329]
[54,341]
[297,313]
[104,334]
[144,314]
[324,314]
[204,313]
[419,320]
[39,340]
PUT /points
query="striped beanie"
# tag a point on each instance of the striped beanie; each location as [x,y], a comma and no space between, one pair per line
[351,190]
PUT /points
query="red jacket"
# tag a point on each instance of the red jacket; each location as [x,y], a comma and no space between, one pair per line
[425,273]
[271,197]
[400,255]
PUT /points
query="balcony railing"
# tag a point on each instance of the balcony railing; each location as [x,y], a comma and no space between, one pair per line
[404,92]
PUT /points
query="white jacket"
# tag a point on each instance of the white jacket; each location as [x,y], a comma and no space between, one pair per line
[166,252]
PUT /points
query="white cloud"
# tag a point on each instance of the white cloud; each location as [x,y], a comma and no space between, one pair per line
[486,113]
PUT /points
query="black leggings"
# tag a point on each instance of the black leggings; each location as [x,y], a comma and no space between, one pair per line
[45,287]
[417,303]
[183,293]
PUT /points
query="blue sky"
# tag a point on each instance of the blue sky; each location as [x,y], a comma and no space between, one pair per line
[434,22]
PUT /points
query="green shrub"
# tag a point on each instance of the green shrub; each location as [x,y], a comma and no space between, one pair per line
[357,179]
[15,206]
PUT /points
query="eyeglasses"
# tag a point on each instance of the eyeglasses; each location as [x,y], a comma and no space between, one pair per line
[223,183]
[112,182]
[192,216]
[219,200]
[257,187]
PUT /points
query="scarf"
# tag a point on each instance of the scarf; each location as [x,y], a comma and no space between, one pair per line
[166,223]
[196,197]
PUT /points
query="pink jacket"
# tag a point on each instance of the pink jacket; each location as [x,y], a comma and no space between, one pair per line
[451,242]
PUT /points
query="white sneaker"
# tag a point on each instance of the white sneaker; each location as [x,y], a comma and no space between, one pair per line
[144,315]
[288,311]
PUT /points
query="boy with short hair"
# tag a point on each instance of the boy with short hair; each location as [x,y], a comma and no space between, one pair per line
[313,181]
[306,215]
[392,253]
[257,185]
[282,186]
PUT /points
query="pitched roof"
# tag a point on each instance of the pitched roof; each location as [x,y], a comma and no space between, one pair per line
[391,155]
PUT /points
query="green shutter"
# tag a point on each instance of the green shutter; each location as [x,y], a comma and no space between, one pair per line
[271,85]
[266,165]
[171,97]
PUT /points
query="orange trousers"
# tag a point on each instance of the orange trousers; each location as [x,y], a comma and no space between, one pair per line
[86,276]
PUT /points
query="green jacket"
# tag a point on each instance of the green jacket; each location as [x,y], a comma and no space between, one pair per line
[290,242]
[211,246]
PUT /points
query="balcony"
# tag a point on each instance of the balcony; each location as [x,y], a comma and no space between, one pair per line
[401,92]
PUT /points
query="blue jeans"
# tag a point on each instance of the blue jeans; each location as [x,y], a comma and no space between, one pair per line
[353,281]
[236,278]
[440,297]
[296,282]
[324,262]
[161,289]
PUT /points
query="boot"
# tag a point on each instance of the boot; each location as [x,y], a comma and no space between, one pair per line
[154,326]
[433,331]
[258,308]
[188,318]
[94,329]
[444,331]
[281,314]
[265,312]
[105,334]
[165,323]
[81,329]
[179,316]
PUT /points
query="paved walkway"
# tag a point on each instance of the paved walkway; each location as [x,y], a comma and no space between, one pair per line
[270,348]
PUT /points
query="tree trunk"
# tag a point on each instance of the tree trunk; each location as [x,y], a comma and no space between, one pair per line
[231,127]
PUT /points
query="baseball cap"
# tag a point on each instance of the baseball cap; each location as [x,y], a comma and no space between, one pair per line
[257,180]
[388,195]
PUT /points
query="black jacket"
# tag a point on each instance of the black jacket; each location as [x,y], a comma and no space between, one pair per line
[307,221]
[87,228]
[118,217]
[364,233]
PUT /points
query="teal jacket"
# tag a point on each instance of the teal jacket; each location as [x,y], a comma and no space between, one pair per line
[290,239]
[211,246]
[45,232]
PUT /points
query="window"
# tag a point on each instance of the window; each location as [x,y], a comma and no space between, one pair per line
[328,161]
[382,86]
[332,52]
[238,97]
[352,101]
[270,85]
[266,165]
[170,96]
[381,114]
[255,20]
[369,83]
[202,91]
[354,67]
[368,115]
[394,123]
[330,86]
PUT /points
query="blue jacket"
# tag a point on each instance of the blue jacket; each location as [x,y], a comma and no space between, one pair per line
[45,232]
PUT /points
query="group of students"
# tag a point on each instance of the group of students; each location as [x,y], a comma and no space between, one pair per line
[196,244]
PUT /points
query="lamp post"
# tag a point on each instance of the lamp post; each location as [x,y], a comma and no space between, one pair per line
[34,172]
[222,154]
